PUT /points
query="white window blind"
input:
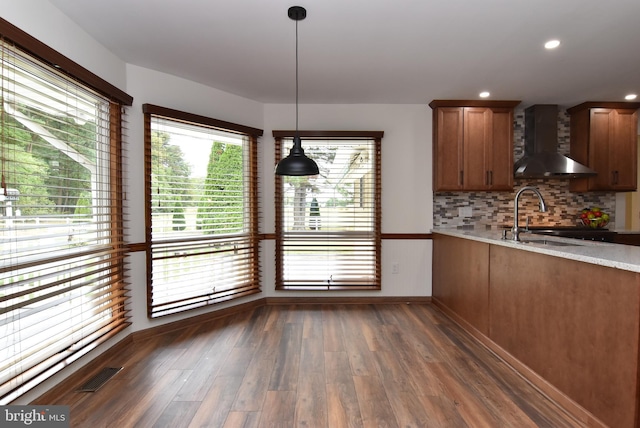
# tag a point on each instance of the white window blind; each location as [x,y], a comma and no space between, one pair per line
[202,200]
[328,226]
[62,277]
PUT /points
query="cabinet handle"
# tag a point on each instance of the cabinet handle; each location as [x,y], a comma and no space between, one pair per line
[615,177]
[490,178]
[461,177]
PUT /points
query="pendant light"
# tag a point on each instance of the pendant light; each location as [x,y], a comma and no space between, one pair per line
[297,163]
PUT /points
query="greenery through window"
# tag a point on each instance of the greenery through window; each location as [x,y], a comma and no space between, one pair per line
[62,277]
[328,226]
[202,228]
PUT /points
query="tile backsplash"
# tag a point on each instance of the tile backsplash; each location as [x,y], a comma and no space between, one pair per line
[496,208]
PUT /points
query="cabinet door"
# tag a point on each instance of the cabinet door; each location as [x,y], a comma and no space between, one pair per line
[623,151]
[447,149]
[488,148]
[501,167]
[606,140]
[600,137]
[477,148]
[612,149]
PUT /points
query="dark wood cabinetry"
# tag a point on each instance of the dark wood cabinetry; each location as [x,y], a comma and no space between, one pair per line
[572,328]
[604,137]
[472,145]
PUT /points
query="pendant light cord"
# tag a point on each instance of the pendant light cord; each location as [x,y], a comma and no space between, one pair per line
[297,164]
[296,78]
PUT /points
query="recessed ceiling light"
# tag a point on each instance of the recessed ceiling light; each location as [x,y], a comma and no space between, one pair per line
[631,97]
[552,44]
[484,94]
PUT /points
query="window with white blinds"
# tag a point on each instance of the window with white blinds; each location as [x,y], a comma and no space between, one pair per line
[328,226]
[62,275]
[202,212]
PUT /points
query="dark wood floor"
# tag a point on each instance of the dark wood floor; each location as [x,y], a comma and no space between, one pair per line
[393,365]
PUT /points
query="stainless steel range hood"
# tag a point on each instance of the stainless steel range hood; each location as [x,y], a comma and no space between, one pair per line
[541,158]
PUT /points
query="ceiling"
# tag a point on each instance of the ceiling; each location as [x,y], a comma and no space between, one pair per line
[380,51]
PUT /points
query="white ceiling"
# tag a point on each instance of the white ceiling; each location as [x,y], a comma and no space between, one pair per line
[380,51]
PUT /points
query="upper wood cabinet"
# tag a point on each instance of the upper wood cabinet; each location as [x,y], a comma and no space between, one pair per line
[472,145]
[604,136]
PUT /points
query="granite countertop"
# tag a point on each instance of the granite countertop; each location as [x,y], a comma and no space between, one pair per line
[625,257]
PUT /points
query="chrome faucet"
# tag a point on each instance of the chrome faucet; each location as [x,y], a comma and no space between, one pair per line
[543,208]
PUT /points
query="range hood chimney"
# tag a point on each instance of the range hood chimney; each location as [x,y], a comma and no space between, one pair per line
[541,158]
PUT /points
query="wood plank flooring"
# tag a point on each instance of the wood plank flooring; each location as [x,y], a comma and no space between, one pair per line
[394,365]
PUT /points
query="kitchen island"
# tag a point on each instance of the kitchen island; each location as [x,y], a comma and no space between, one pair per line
[565,314]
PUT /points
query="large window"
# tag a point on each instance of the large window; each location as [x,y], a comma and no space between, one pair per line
[62,276]
[328,226]
[202,212]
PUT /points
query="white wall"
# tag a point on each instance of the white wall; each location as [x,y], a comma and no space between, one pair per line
[406,185]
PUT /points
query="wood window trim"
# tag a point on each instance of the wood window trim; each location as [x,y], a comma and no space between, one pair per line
[329,134]
[57,60]
[251,135]
[170,113]
[376,136]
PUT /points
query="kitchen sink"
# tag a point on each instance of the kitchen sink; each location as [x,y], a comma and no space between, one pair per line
[578,232]
[549,242]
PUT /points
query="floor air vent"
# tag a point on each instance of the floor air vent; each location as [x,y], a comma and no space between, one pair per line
[99,379]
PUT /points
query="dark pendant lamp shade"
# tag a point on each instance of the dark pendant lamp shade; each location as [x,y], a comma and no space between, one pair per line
[297,163]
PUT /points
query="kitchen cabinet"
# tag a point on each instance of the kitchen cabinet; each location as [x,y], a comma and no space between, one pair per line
[604,137]
[472,145]
[570,327]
